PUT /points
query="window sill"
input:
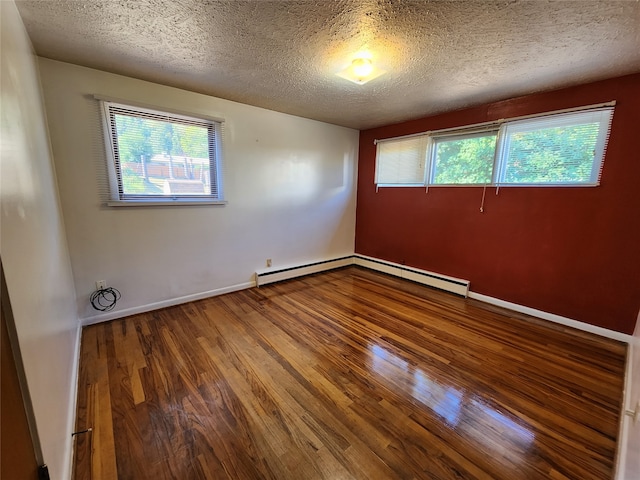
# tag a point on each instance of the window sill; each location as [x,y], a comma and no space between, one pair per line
[162,203]
[493,185]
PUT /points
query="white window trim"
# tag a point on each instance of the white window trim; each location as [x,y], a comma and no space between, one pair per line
[116,200]
[499,163]
[425,160]
[174,202]
[461,136]
[599,150]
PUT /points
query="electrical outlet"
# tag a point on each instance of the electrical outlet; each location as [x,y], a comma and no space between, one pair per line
[268,262]
[101,284]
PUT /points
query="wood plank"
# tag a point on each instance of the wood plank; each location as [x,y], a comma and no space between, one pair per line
[347,374]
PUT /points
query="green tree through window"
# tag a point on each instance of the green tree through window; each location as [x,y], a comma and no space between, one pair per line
[160,156]
[565,148]
[464,160]
[552,155]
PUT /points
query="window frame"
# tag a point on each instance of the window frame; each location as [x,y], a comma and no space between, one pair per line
[555,121]
[499,128]
[117,196]
[453,136]
[422,156]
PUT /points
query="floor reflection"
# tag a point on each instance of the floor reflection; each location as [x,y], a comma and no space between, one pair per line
[459,410]
[506,427]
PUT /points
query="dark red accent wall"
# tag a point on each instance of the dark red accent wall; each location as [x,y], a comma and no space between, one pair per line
[571,251]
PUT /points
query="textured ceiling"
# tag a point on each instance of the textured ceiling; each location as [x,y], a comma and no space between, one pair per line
[283,55]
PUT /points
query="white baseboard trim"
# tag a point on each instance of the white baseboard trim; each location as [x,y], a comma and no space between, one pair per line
[431,279]
[461,287]
[442,282]
[164,303]
[264,277]
[568,322]
[625,420]
[73,405]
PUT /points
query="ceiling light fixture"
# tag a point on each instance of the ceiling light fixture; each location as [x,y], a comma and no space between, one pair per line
[362,67]
[361,71]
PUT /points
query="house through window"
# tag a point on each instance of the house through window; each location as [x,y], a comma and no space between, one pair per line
[161,157]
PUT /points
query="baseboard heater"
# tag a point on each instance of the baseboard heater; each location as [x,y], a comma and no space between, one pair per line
[265,277]
[431,279]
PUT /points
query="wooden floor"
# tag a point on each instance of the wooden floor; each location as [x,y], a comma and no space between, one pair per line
[340,375]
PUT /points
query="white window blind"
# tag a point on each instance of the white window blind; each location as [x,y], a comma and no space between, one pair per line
[401,161]
[565,149]
[160,156]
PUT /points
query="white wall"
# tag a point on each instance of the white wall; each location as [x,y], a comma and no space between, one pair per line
[34,249]
[289,181]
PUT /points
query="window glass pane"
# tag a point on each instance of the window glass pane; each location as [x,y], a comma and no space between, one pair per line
[162,158]
[561,154]
[402,161]
[565,149]
[464,160]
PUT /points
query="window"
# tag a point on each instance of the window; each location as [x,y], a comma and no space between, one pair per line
[160,157]
[561,150]
[551,150]
[463,159]
[401,161]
